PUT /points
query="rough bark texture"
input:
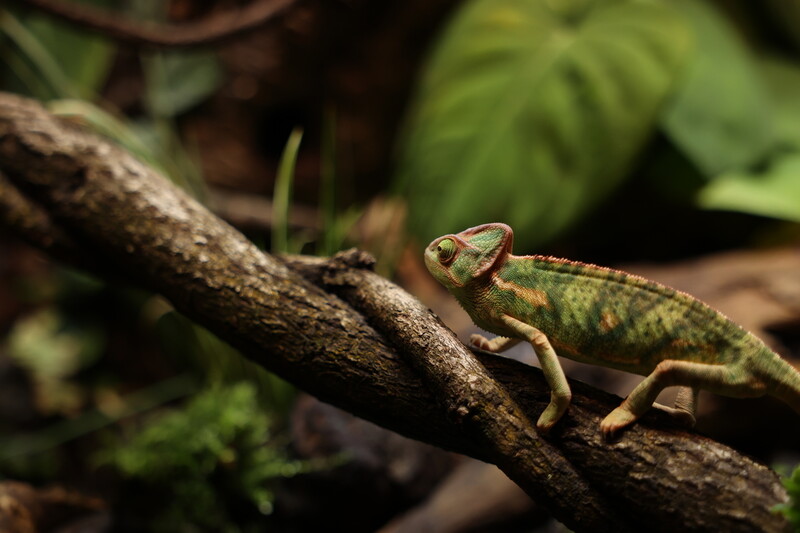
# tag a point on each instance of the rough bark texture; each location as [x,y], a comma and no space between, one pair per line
[370,348]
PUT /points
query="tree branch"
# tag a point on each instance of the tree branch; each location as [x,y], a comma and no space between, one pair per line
[463,387]
[207,31]
[391,362]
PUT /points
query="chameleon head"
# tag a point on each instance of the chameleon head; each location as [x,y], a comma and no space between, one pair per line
[456,259]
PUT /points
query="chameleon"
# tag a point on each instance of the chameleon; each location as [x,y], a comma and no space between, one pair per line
[604,317]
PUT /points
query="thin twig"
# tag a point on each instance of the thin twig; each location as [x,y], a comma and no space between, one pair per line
[210,30]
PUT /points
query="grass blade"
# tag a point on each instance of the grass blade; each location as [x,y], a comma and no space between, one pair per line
[282,195]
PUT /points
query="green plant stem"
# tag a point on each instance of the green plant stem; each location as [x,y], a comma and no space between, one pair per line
[283,192]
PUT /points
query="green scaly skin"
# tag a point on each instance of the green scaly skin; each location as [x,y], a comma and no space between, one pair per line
[604,317]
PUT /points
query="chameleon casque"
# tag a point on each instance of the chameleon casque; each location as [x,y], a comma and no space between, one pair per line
[604,317]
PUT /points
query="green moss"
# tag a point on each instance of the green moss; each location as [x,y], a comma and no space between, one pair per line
[211,465]
[791,509]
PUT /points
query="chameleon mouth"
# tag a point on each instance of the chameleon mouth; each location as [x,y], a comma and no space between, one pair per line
[429,257]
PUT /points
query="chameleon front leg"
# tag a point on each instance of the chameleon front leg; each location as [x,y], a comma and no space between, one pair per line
[560,394]
[733,380]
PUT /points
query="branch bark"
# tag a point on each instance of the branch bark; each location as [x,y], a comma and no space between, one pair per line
[357,341]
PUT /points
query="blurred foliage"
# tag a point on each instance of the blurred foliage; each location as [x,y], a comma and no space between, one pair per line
[782,78]
[198,460]
[33,455]
[178,81]
[717,115]
[770,186]
[532,112]
[774,191]
[54,343]
[791,509]
[53,62]
[214,361]
[62,343]
[46,59]
[53,348]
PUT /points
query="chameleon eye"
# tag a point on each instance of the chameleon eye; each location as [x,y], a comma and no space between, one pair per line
[447,251]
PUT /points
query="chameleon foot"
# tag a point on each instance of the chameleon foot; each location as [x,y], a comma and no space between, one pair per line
[544,426]
[479,341]
[554,411]
[496,345]
[616,420]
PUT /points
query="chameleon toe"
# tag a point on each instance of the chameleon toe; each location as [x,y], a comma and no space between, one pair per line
[616,420]
[479,341]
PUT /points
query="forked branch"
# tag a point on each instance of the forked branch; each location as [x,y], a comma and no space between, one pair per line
[342,333]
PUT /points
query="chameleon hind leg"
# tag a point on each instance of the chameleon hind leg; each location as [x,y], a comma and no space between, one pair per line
[685,407]
[732,380]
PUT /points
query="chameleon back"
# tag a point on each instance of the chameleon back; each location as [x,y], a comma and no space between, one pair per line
[604,316]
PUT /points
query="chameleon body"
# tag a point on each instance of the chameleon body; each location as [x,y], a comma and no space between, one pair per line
[604,317]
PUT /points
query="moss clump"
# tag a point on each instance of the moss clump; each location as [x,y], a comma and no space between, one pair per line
[209,466]
[791,509]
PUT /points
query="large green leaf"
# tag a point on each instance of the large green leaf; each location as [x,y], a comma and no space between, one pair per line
[783,81]
[530,111]
[774,189]
[719,115]
[774,192]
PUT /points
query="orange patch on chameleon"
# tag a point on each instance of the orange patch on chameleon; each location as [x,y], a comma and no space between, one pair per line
[532,296]
[608,321]
[700,352]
